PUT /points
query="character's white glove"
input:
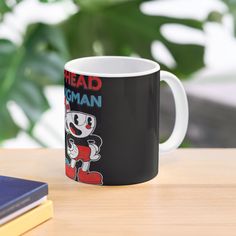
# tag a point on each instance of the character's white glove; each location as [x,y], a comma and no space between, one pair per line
[72,149]
[94,156]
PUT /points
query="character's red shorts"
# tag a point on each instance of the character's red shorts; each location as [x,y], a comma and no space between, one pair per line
[84,153]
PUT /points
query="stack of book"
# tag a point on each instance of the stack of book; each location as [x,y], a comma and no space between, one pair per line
[23,205]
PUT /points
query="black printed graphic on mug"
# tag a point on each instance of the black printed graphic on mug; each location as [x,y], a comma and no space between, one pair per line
[83,145]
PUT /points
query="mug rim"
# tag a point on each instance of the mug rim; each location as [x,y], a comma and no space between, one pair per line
[72,64]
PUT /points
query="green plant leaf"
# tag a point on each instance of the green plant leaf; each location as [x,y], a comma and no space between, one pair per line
[7,6]
[4,7]
[25,70]
[120,28]
[91,5]
[8,128]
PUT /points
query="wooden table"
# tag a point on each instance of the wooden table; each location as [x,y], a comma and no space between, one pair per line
[194,194]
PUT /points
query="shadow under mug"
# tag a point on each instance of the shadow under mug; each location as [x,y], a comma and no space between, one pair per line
[112,119]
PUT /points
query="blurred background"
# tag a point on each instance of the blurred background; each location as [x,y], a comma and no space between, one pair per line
[195,39]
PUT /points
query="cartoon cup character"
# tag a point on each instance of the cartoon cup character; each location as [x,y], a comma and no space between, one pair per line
[82,145]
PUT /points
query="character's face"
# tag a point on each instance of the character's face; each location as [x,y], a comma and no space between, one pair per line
[80,124]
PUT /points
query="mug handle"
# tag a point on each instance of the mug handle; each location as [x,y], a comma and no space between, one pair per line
[181,111]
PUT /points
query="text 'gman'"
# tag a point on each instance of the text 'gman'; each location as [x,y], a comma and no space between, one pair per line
[91,83]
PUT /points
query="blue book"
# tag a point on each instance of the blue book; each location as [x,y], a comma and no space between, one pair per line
[17,194]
